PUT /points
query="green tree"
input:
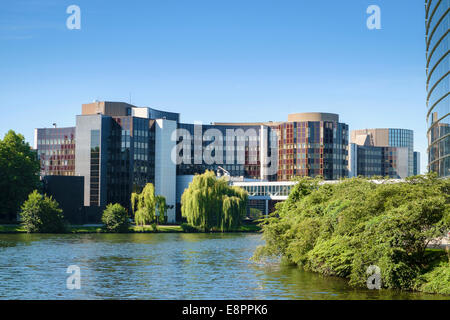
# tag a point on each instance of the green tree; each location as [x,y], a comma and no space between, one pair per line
[210,203]
[115,218]
[144,205]
[341,229]
[19,173]
[161,206]
[42,214]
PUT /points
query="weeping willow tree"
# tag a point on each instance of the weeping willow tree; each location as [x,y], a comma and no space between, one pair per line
[210,203]
[144,205]
[161,206]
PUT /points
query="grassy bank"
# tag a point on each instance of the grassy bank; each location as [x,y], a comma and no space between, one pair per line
[132,229]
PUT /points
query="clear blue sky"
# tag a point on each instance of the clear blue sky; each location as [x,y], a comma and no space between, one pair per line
[215,60]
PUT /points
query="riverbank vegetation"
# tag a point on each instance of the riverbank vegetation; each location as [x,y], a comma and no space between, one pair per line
[147,207]
[41,214]
[342,229]
[5,229]
[115,218]
[19,174]
[210,204]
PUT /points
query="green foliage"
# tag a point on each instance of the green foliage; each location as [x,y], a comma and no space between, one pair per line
[435,281]
[19,173]
[161,206]
[115,218]
[255,213]
[212,205]
[144,205]
[341,229]
[41,214]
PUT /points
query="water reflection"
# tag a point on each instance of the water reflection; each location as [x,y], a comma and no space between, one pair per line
[160,266]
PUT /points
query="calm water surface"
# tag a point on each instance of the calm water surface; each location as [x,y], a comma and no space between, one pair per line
[160,266]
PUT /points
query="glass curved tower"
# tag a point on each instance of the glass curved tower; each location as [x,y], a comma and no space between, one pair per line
[438,84]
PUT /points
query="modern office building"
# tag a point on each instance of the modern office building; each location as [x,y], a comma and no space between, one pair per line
[237,149]
[119,148]
[115,152]
[382,152]
[438,85]
[312,144]
[56,150]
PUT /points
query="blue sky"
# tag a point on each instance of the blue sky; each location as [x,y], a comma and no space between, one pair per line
[215,60]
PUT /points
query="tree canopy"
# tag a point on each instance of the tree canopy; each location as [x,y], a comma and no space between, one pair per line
[115,218]
[145,204]
[342,229]
[19,173]
[42,214]
[211,204]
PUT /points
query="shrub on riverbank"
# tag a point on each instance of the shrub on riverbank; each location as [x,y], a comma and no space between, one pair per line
[115,218]
[41,214]
[342,229]
[211,204]
[435,281]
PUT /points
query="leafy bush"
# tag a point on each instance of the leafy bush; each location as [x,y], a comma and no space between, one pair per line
[115,218]
[42,214]
[437,280]
[341,229]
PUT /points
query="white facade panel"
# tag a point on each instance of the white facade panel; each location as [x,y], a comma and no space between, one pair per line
[165,168]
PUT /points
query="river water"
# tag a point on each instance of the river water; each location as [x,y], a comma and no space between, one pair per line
[160,266]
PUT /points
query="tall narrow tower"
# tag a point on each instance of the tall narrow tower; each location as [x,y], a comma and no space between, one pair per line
[437,24]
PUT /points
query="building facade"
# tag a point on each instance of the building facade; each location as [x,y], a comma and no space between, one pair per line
[438,85]
[382,152]
[371,161]
[240,150]
[56,150]
[116,153]
[416,163]
[312,144]
[119,148]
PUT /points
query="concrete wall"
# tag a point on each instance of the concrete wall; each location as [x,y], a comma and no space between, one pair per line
[379,137]
[141,112]
[106,108]
[352,160]
[313,116]
[263,150]
[165,168]
[402,162]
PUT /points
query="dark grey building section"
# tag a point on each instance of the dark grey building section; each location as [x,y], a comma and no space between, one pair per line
[116,154]
[68,192]
[416,163]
